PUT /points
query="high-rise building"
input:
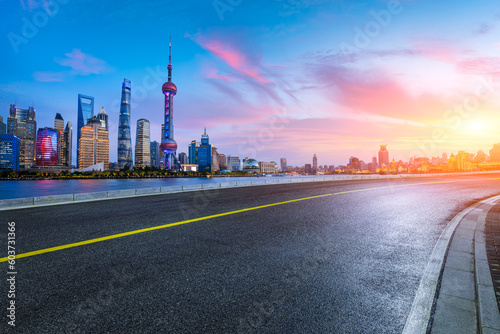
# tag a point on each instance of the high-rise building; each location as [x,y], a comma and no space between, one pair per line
[142,144]
[62,145]
[10,149]
[308,168]
[68,140]
[233,163]
[183,158]
[205,154]
[85,112]
[103,117]
[315,164]
[3,126]
[168,145]
[93,145]
[383,156]
[59,122]
[215,159]
[21,122]
[283,164]
[222,162]
[193,152]
[154,149]
[124,139]
[48,147]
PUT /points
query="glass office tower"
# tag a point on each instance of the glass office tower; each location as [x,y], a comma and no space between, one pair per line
[85,112]
[10,149]
[124,139]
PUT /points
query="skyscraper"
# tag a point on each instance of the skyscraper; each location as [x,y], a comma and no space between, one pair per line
[383,156]
[215,159]
[168,145]
[85,112]
[142,144]
[155,154]
[3,126]
[103,117]
[315,164]
[48,146]
[205,154]
[10,149]
[183,158]
[68,139]
[93,145]
[124,139]
[59,122]
[193,152]
[62,144]
[283,164]
[21,122]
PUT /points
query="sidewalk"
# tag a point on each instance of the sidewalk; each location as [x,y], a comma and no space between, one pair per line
[466,301]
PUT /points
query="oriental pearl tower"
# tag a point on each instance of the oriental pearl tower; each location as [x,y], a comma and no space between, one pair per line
[168,145]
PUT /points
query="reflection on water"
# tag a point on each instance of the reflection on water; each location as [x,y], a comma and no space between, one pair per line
[34,188]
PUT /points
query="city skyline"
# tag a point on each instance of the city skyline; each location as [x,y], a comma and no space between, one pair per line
[361,88]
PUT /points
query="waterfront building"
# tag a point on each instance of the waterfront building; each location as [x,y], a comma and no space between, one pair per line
[48,146]
[283,165]
[68,140]
[183,158]
[168,145]
[233,163]
[62,143]
[3,126]
[222,162]
[10,150]
[383,156]
[193,152]
[22,123]
[103,117]
[215,159]
[315,164]
[267,167]
[308,169]
[250,165]
[205,154]
[124,139]
[142,144]
[85,112]
[154,148]
[93,145]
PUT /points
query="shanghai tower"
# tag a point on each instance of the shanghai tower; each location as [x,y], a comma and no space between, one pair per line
[124,140]
[168,145]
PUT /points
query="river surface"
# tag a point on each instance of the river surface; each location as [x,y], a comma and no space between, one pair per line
[35,188]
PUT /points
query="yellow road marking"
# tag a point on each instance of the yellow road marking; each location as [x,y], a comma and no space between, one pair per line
[119,235]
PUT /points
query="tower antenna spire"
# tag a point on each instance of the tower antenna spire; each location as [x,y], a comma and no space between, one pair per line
[170,59]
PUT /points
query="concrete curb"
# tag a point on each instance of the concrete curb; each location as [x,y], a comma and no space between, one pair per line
[457,284]
[21,203]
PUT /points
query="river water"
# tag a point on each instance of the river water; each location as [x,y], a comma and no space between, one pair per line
[35,188]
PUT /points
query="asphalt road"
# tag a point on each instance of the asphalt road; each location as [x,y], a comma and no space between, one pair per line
[345,263]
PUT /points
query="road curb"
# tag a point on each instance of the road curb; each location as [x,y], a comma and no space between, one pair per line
[469,223]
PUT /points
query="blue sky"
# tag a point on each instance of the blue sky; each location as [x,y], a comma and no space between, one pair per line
[269,79]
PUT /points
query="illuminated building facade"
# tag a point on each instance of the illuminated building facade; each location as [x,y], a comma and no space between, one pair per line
[168,145]
[205,154]
[10,149]
[124,139]
[85,112]
[93,145]
[103,117]
[142,144]
[222,162]
[3,126]
[193,152]
[315,164]
[154,149]
[283,164]
[383,156]
[48,146]
[21,122]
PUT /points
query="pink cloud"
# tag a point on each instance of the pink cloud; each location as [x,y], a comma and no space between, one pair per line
[480,65]
[437,50]
[233,57]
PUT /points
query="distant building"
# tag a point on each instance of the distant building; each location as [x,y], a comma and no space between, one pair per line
[48,146]
[142,144]
[283,165]
[193,152]
[251,165]
[21,122]
[65,140]
[68,139]
[85,112]
[93,145]
[10,150]
[374,162]
[315,164]
[3,126]
[205,154]
[354,163]
[215,159]
[183,158]
[267,167]
[308,169]
[154,148]
[233,163]
[383,156]
[59,122]
[222,162]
